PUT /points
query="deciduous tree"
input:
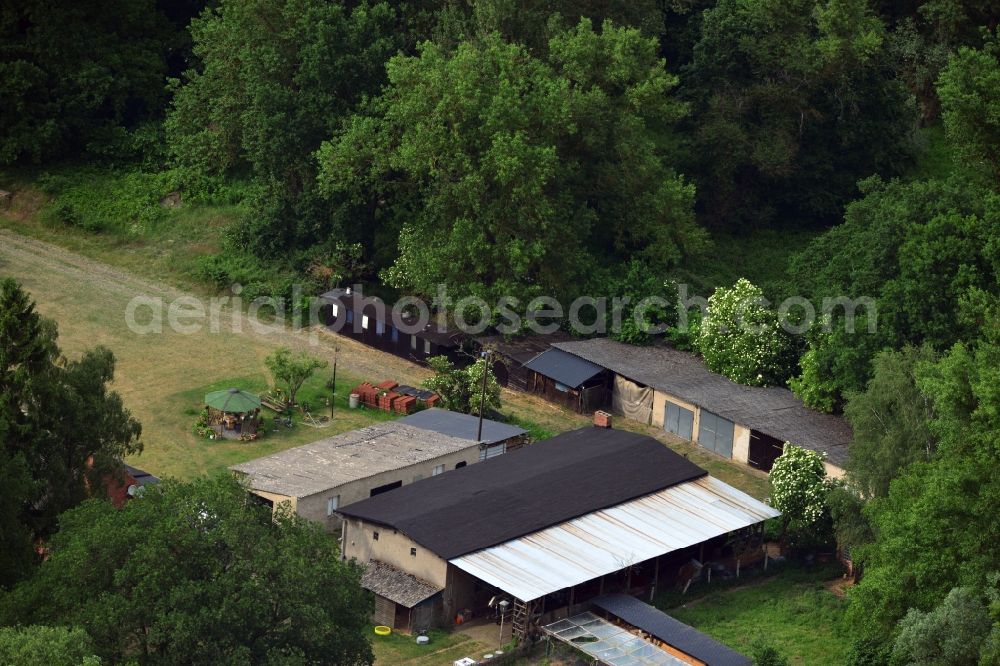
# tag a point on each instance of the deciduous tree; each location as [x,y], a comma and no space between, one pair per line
[890,422]
[37,645]
[742,338]
[292,369]
[461,389]
[506,172]
[199,574]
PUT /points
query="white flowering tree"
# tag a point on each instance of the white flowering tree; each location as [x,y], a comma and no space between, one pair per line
[799,488]
[742,338]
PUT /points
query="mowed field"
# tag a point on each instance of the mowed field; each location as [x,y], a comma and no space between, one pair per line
[162,376]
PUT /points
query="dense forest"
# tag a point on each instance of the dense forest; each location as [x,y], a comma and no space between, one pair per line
[522,148]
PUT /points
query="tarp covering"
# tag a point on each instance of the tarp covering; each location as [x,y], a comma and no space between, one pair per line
[632,400]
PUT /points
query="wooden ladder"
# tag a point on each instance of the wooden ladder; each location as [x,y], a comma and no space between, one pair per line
[519,623]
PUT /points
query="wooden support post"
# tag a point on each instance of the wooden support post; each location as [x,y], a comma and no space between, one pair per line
[656,578]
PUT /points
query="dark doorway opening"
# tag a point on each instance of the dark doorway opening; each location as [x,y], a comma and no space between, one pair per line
[764,450]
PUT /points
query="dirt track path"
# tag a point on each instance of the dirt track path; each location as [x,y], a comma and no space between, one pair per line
[31,255]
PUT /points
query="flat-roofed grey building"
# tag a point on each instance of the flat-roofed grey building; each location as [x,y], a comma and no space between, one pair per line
[319,478]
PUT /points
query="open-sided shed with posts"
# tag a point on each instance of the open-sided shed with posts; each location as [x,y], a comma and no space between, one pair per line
[555,524]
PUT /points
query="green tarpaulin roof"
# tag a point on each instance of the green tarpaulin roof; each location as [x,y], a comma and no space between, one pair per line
[232,400]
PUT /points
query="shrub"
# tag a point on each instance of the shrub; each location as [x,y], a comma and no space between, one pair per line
[799,489]
[742,339]
[125,202]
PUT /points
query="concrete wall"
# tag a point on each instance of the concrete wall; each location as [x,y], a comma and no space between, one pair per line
[741,434]
[314,507]
[741,443]
[833,471]
[392,547]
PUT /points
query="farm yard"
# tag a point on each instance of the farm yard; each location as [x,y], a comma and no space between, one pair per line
[163,377]
[692,354]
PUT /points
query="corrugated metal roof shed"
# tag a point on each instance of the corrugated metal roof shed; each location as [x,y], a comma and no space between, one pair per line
[142,477]
[772,410]
[609,540]
[673,632]
[465,426]
[563,367]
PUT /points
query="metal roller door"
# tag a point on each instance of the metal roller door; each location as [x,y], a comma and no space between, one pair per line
[716,433]
[678,420]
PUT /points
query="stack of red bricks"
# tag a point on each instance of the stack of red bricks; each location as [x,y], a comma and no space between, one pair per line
[368,393]
[385,398]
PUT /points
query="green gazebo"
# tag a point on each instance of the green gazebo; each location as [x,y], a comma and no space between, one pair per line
[233,413]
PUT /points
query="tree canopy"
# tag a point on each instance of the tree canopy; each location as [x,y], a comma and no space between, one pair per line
[196,573]
[504,171]
[62,431]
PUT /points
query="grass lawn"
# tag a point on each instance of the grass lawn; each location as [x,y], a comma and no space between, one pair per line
[169,247]
[444,648]
[163,377]
[84,280]
[792,610]
[276,436]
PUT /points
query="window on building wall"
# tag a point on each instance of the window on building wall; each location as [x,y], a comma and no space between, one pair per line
[413,552]
[413,342]
[379,328]
[364,321]
[332,504]
[350,316]
[427,346]
[561,387]
[438,469]
[492,451]
[460,465]
[335,310]
[394,333]
[375,535]
[716,433]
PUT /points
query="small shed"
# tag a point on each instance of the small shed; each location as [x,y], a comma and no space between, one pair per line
[402,601]
[511,355]
[497,438]
[371,321]
[568,380]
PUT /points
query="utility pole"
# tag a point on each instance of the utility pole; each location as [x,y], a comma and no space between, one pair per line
[333,382]
[482,396]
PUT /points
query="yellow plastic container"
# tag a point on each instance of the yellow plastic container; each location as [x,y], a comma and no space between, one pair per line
[383,630]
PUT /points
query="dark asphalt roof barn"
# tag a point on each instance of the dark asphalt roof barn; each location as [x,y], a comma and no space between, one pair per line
[563,367]
[547,483]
